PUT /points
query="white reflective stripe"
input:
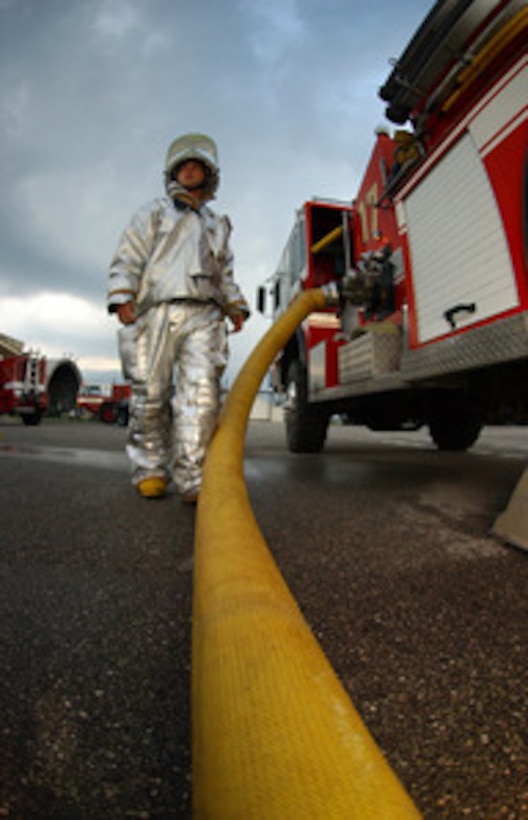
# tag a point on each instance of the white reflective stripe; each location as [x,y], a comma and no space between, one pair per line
[519,69]
[504,112]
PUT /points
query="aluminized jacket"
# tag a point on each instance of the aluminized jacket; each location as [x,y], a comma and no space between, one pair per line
[169,253]
[176,265]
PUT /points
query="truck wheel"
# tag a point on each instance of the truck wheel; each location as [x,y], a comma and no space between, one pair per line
[454,424]
[32,419]
[306,426]
[108,413]
[122,415]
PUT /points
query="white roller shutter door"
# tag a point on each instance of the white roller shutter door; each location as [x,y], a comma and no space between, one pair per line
[459,253]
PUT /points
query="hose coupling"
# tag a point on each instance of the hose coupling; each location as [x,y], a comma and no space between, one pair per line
[331,293]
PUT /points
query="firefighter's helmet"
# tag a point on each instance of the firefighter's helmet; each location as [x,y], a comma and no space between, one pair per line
[198,147]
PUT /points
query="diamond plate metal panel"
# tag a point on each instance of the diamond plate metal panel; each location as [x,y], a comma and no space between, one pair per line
[501,341]
[370,355]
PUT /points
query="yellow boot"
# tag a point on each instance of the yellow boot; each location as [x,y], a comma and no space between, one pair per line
[153,487]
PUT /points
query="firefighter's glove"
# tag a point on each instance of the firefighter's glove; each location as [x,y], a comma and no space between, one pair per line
[127,313]
[237,320]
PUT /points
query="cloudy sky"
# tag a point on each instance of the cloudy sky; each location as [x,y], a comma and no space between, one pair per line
[93,91]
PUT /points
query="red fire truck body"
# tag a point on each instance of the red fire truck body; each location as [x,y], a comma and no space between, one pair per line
[108,407]
[431,257]
[32,385]
[23,387]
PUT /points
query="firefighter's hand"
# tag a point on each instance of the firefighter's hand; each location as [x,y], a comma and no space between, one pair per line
[127,313]
[237,320]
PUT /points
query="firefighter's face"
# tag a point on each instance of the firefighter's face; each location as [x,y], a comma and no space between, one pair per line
[191,174]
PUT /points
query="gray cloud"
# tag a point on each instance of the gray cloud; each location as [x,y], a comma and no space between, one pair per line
[93,91]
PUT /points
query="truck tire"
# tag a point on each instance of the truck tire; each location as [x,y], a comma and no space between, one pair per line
[32,419]
[108,412]
[306,426]
[454,423]
[122,415]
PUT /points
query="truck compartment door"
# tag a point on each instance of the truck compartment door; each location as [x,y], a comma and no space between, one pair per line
[458,248]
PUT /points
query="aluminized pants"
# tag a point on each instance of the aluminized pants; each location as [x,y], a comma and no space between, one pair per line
[185,341]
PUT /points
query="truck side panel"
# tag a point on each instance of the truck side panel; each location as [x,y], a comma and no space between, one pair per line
[467,262]
[474,259]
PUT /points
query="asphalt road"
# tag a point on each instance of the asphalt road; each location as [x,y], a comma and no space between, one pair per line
[385,544]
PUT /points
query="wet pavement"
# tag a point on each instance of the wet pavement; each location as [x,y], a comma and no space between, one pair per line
[95,612]
[386,549]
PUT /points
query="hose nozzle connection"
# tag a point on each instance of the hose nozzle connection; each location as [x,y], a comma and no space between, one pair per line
[331,294]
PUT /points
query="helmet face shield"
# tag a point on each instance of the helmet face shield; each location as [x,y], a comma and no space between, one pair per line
[193,146]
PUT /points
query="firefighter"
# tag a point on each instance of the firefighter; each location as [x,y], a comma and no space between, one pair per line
[171,286]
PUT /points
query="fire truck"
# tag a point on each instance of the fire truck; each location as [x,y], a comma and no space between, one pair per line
[430,258]
[32,385]
[109,407]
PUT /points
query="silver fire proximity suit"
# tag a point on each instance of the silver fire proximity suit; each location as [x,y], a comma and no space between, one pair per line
[175,263]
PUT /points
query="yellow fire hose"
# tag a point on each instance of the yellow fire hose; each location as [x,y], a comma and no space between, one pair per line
[274,734]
